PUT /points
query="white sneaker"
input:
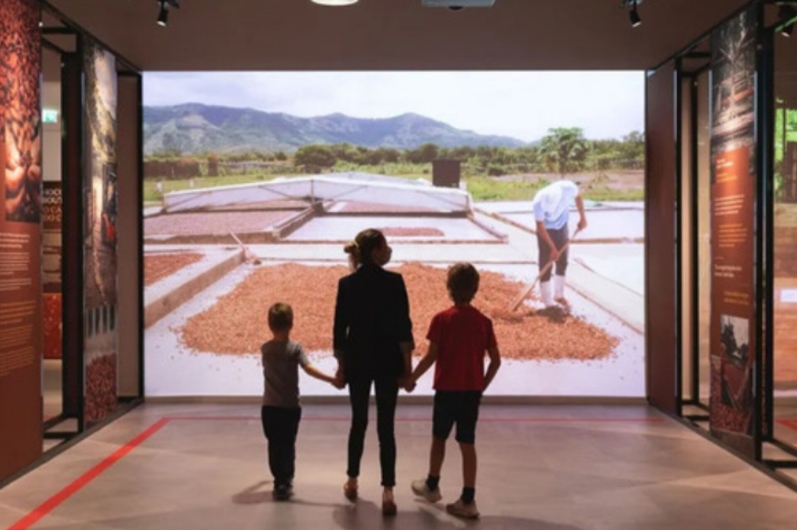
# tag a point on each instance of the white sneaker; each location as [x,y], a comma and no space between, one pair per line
[465,511]
[421,489]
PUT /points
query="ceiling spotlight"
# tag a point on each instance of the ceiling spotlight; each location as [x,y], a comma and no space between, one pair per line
[163,13]
[335,2]
[163,16]
[636,21]
[788,16]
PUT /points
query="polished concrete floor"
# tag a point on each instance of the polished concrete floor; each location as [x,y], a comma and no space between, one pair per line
[541,468]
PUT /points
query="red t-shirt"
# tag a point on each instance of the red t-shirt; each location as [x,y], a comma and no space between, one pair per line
[462,335]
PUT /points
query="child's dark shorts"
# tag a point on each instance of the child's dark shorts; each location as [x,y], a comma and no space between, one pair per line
[460,407]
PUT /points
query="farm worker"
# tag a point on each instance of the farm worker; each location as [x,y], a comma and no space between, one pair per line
[551,207]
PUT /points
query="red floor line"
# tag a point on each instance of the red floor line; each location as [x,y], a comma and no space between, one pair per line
[53,502]
[791,424]
[493,420]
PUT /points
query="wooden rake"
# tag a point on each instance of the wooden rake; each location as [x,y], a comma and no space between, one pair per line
[248,255]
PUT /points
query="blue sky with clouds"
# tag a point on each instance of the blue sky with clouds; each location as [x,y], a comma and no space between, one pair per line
[523,105]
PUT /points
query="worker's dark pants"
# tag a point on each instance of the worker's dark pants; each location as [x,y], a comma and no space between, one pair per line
[560,238]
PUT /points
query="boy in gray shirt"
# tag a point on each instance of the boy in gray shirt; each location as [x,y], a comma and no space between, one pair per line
[281,409]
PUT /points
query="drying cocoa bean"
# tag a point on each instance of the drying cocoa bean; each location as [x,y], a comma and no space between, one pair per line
[237,322]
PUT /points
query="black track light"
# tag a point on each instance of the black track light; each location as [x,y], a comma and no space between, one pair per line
[787,14]
[636,21]
[163,13]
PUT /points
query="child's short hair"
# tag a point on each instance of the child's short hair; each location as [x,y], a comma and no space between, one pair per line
[462,282]
[280,317]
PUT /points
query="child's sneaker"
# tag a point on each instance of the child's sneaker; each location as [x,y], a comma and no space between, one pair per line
[421,489]
[283,492]
[463,510]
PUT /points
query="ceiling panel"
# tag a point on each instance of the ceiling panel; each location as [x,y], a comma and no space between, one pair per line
[396,34]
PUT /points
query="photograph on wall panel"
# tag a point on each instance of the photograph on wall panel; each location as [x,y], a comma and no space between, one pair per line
[100,257]
[20,235]
[52,252]
[255,181]
[733,180]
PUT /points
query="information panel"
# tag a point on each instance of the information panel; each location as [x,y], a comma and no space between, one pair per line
[733,195]
[20,236]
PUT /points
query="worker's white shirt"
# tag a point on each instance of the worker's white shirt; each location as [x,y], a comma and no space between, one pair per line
[552,203]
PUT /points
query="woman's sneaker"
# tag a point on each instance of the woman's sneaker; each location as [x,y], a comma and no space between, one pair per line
[421,489]
[463,510]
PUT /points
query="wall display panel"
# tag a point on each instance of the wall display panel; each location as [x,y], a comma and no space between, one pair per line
[129,166]
[254,182]
[660,251]
[52,252]
[20,236]
[99,258]
[785,220]
[733,195]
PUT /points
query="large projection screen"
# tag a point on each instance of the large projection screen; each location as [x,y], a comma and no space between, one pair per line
[254,182]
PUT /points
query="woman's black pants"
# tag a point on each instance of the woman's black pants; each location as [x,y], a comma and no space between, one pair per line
[386,396]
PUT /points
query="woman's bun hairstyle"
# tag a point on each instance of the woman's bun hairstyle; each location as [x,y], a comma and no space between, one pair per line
[364,244]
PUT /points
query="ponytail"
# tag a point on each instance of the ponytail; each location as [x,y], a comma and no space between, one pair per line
[353,250]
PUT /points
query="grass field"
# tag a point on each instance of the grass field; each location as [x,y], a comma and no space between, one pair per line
[151,194]
[597,187]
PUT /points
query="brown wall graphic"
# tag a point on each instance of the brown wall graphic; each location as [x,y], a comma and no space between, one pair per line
[20,237]
[99,258]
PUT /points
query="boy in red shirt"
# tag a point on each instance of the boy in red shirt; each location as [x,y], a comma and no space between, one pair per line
[458,339]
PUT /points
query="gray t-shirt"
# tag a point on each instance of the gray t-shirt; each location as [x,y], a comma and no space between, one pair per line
[281,362]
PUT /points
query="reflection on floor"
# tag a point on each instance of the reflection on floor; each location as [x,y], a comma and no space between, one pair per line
[786,428]
[785,313]
[52,399]
[51,388]
[541,467]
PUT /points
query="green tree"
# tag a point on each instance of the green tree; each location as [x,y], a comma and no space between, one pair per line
[633,146]
[314,155]
[461,153]
[423,154]
[565,149]
[389,155]
[213,166]
[345,153]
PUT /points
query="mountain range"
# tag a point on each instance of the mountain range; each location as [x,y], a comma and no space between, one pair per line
[196,128]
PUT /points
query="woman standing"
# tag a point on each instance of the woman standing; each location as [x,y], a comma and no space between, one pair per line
[373,344]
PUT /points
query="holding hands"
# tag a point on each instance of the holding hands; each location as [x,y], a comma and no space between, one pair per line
[408,379]
[407,383]
[338,382]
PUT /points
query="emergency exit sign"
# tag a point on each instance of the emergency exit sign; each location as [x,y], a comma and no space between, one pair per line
[49,116]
